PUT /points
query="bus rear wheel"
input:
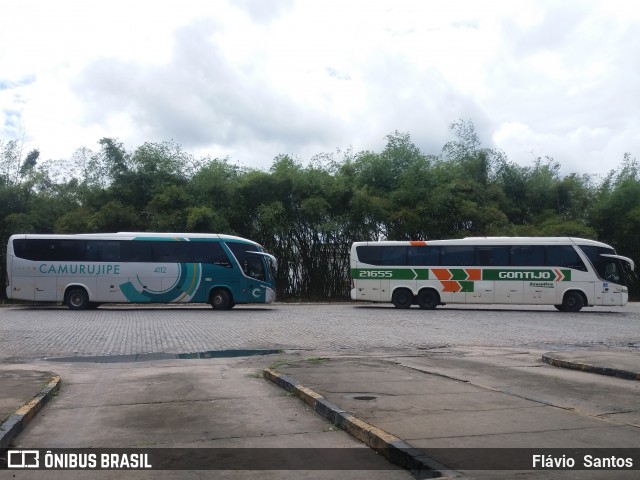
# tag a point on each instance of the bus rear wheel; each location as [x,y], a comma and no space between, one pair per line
[402,298]
[428,299]
[221,300]
[77,299]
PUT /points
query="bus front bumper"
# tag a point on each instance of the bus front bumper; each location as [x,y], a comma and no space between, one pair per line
[615,295]
[269,295]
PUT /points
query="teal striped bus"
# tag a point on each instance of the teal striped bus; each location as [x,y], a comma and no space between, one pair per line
[86,270]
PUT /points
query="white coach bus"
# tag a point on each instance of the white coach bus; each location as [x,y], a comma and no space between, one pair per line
[569,273]
[83,271]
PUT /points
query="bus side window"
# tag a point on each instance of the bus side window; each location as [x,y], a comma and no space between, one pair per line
[20,249]
[68,250]
[458,256]
[527,255]
[253,267]
[564,256]
[493,256]
[393,255]
[172,252]
[210,252]
[59,250]
[103,250]
[136,251]
[369,254]
[423,256]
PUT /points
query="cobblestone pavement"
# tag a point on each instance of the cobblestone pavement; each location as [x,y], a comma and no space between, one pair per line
[28,332]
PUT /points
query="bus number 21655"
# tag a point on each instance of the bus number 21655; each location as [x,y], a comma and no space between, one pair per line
[376,274]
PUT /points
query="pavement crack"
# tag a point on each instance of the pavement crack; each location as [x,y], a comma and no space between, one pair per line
[497,434]
[437,374]
[159,402]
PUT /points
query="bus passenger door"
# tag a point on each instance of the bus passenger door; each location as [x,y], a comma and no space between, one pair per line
[254,268]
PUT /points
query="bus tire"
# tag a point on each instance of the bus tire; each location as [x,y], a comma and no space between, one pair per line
[572,302]
[428,299]
[77,299]
[402,298]
[221,299]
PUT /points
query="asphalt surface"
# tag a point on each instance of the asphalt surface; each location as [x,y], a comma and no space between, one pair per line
[473,413]
[29,332]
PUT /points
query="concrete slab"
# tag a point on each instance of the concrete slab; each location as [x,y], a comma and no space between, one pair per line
[456,399]
[169,383]
[488,422]
[162,423]
[507,403]
[18,387]
[612,436]
[628,418]
[355,385]
[195,405]
[393,408]
[588,393]
[622,364]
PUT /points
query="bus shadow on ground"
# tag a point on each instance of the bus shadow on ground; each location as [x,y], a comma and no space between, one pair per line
[459,308]
[137,307]
[147,357]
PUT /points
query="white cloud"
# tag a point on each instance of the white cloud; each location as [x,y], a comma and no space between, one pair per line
[253,79]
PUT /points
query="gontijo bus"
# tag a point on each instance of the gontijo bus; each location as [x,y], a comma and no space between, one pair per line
[569,273]
[86,270]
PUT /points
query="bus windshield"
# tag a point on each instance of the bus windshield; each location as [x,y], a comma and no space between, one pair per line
[608,267]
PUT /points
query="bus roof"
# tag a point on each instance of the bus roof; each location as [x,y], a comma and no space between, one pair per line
[494,241]
[135,235]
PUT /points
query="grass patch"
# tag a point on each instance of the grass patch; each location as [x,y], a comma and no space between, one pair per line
[315,360]
[278,363]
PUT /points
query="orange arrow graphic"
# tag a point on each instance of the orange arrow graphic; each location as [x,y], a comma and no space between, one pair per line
[450,286]
[474,274]
[442,274]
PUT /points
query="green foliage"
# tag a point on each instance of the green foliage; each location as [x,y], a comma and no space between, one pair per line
[114,217]
[205,220]
[75,221]
[308,215]
[29,162]
[616,212]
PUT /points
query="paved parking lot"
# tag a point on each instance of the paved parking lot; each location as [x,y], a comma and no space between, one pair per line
[29,332]
[224,402]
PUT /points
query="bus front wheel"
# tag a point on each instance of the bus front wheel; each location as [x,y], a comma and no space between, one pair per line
[572,302]
[77,299]
[221,300]
[428,299]
[402,298]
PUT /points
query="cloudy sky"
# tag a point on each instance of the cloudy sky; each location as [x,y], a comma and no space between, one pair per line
[251,79]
